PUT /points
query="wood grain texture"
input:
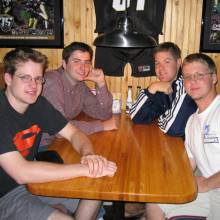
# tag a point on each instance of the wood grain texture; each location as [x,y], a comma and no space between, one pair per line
[152,167]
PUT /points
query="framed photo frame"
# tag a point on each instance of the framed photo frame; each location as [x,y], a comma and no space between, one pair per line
[32,23]
[210,32]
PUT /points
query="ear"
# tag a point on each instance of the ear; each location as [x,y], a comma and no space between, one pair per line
[8,79]
[214,78]
[64,64]
[179,62]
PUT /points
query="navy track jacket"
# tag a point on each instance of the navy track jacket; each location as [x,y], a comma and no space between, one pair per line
[172,111]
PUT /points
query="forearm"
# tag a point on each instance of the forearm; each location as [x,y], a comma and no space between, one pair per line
[213,181]
[81,143]
[40,172]
[78,139]
[139,104]
[144,110]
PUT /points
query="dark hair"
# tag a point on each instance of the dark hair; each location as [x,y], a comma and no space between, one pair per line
[68,50]
[202,58]
[22,55]
[170,47]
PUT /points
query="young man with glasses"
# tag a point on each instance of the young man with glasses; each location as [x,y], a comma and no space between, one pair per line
[166,99]
[66,89]
[24,116]
[202,143]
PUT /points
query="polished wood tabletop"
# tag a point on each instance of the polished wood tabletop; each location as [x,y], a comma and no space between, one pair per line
[152,167]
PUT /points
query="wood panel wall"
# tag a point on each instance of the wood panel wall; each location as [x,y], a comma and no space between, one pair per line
[182,25]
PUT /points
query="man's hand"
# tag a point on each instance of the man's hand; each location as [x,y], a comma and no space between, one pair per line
[111,124]
[164,87]
[202,183]
[99,166]
[97,76]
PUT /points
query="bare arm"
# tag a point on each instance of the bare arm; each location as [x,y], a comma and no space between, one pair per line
[83,146]
[23,171]
[213,181]
[79,140]
[207,184]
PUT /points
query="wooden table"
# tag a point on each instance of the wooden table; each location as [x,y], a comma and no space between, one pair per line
[152,167]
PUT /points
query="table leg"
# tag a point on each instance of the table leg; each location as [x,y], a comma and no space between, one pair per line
[115,211]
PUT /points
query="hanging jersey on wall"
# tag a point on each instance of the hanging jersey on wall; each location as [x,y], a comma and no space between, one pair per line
[147,16]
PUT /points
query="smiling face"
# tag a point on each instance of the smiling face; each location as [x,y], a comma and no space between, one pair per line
[21,94]
[78,66]
[166,66]
[199,81]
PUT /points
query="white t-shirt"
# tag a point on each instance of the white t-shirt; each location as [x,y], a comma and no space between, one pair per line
[203,138]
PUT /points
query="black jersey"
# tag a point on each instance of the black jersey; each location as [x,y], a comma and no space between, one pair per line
[147,16]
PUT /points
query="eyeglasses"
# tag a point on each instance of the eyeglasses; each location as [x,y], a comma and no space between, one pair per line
[195,76]
[29,79]
[87,63]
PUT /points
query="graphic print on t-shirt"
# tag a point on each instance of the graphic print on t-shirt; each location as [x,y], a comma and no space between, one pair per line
[24,140]
[210,136]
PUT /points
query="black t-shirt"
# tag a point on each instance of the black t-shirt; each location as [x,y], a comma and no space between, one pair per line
[22,132]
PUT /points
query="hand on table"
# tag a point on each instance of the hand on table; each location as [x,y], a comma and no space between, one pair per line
[111,124]
[99,166]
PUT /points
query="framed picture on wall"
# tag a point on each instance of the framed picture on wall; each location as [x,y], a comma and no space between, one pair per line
[210,33]
[32,23]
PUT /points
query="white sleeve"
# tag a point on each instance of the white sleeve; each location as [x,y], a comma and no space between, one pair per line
[187,139]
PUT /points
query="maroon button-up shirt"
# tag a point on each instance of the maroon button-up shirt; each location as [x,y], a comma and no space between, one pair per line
[72,100]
